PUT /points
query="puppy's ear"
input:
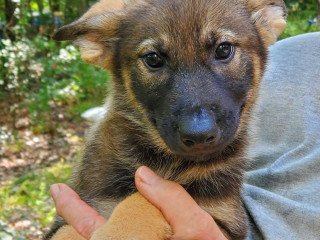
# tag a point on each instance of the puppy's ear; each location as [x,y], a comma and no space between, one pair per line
[269,16]
[95,32]
[104,6]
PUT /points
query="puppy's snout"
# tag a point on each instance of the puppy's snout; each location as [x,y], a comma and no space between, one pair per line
[198,129]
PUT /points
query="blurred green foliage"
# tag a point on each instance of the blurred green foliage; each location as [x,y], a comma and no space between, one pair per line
[66,81]
[40,75]
[301,14]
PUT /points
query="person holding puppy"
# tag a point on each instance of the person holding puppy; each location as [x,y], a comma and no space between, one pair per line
[282,190]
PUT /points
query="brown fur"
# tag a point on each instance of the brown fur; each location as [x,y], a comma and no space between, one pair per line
[127,139]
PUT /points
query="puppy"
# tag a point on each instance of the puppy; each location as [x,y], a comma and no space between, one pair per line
[186,74]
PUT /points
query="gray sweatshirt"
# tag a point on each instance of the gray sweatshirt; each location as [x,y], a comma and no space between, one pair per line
[282,190]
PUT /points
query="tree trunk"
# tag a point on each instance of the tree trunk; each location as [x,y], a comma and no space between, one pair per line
[318,17]
[40,6]
[55,6]
[11,20]
[28,6]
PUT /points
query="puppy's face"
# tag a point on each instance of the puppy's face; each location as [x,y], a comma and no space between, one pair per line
[191,67]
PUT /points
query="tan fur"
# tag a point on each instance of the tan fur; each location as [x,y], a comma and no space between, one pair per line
[67,233]
[134,214]
[269,16]
[92,49]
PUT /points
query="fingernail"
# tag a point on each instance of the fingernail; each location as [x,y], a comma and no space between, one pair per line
[55,190]
[147,176]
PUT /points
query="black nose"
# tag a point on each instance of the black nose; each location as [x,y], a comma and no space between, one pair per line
[198,129]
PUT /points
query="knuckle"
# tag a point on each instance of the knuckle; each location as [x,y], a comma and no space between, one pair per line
[175,189]
[205,221]
[199,228]
[204,227]
[85,227]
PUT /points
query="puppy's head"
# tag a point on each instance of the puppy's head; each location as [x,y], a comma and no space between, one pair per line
[191,68]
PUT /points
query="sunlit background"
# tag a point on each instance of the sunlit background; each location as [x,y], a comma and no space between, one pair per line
[44,89]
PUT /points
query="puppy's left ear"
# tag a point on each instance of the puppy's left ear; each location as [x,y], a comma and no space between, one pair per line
[269,16]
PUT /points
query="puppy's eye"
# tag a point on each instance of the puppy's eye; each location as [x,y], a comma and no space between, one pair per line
[224,51]
[153,61]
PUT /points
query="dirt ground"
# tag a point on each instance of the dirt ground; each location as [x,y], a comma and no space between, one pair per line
[24,149]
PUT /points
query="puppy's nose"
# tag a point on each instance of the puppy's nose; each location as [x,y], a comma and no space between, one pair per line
[198,129]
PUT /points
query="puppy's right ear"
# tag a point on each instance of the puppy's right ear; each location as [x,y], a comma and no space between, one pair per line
[95,33]
[269,16]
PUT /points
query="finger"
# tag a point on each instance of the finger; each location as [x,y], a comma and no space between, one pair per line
[187,219]
[75,212]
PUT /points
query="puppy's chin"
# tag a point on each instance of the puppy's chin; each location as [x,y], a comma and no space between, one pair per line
[212,154]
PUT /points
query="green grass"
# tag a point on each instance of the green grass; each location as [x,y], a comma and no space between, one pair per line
[27,197]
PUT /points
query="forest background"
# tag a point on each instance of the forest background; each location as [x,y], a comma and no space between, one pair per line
[44,89]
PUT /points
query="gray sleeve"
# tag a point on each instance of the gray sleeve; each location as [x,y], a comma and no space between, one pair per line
[282,189]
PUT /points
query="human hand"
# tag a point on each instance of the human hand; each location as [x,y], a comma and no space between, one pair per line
[77,213]
[186,218]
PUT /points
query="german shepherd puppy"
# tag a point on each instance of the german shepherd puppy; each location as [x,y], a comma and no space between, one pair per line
[186,74]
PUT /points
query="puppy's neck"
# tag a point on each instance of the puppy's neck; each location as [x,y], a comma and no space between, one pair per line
[215,175]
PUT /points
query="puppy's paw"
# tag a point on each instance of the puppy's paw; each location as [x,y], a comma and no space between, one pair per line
[67,233]
[135,218]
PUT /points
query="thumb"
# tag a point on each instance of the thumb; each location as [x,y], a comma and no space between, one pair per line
[78,214]
[187,219]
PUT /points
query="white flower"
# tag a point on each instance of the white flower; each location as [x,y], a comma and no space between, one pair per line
[10,86]
[67,54]
[6,42]
[70,90]
[38,69]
